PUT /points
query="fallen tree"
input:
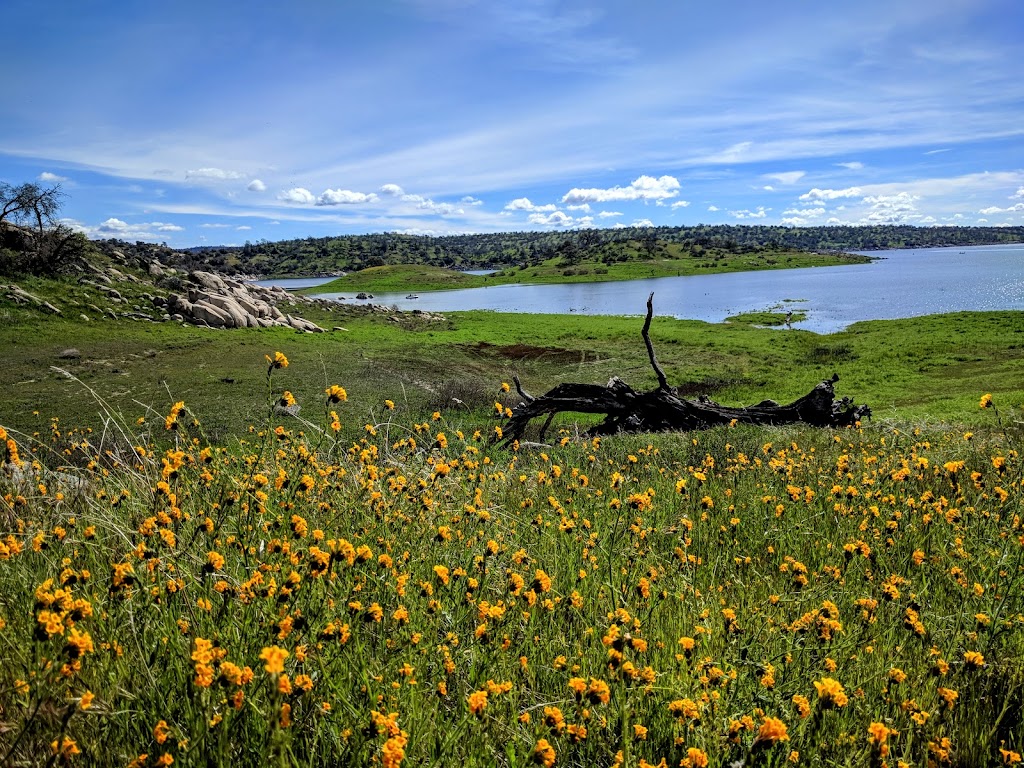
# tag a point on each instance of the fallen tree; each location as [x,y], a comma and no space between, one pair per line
[662,409]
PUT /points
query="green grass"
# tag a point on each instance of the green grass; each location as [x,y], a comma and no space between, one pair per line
[601,585]
[922,368]
[674,261]
[767,319]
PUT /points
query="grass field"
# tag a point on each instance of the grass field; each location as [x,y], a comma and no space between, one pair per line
[207,582]
[673,262]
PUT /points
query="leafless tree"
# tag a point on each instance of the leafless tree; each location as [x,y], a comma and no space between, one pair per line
[30,203]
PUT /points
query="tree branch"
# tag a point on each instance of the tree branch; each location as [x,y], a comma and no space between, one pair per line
[662,381]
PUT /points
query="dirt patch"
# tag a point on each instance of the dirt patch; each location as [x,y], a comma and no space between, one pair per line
[530,352]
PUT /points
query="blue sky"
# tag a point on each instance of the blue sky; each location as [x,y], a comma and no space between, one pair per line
[219,122]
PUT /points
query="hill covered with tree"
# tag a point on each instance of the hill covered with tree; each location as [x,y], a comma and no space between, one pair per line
[333,255]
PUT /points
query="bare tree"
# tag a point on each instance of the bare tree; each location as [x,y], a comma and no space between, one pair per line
[32,203]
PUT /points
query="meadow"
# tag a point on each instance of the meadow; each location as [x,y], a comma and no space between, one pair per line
[382,586]
[190,576]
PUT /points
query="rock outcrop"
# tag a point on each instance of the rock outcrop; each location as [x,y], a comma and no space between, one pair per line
[223,302]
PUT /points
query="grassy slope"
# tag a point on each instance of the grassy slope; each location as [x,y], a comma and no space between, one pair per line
[676,262]
[933,367]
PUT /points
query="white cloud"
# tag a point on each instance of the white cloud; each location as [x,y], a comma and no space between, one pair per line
[609,214]
[760,213]
[393,190]
[256,186]
[1018,195]
[713,208]
[768,188]
[643,223]
[581,207]
[792,221]
[891,209]
[218,174]
[117,228]
[524,204]
[642,188]
[344,197]
[804,212]
[298,195]
[51,178]
[243,228]
[680,204]
[470,200]
[214,226]
[854,165]
[788,177]
[556,219]
[995,209]
[113,225]
[831,194]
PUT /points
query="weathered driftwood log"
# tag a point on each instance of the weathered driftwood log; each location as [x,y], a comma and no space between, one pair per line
[661,409]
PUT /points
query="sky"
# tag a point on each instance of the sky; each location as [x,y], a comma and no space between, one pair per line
[206,123]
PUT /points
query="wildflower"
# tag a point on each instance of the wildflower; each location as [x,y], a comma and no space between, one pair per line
[772,731]
[287,399]
[598,691]
[161,731]
[505,387]
[278,361]
[274,656]
[336,394]
[86,701]
[803,706]
[1009,756]
[544,753]
[986,401]
[949,696]
[389,404]
[66,748]
[171,422]
[477,702]
[974,660]
[695,758]
[830,693]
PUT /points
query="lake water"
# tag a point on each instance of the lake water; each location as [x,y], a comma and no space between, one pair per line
[901,283]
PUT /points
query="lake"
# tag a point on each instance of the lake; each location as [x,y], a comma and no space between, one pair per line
[901,283]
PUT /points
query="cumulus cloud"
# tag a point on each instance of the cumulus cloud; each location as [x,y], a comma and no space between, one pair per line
[298,195]
[680,204]
[392,190]
[854,165]
[792,221]
[211,225]
[524,204]
[788,177]
[243,228]
[803,212]
[256,186]
[424,203]
[996,209]
[555,219]
[470,200]
[713,208]
[344,197]
[830,194]
[643,223]
[51,178]
[642,188]
[585,207]
[609,214]
[114,227]
[1018,195]
[760,213]
[217,174]
[891,209]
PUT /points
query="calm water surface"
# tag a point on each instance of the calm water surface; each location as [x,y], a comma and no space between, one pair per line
[901,283]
